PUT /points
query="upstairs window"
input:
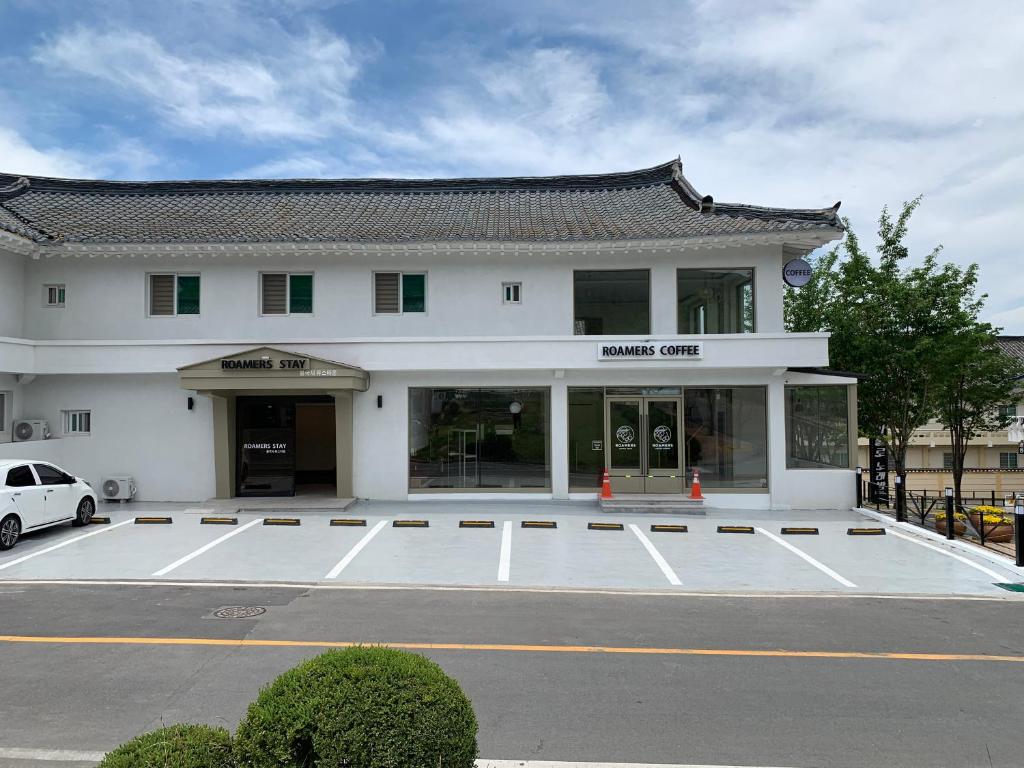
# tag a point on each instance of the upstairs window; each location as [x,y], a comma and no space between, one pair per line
[1008,460]
[947,460]
[611,302]
[286,294]
[511,293]
[1007,411]
[173,294]
[53,295]
[715,301]
[399,292]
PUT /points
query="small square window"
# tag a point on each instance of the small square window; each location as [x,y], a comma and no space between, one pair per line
[77,422]
[399,292]
[947,460]
[1008,461]
[54,295]
[511,293]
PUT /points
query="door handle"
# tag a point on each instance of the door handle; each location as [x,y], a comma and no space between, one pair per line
[49,490]
[16,494]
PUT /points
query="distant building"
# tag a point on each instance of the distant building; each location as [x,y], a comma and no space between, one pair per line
[987,454]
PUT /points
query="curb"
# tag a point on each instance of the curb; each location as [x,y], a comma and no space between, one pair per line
[964,549]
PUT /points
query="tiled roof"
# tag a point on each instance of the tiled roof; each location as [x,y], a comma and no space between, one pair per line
[655,203]
[1013,346]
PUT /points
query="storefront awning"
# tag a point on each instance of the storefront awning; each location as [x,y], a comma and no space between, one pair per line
[270,370]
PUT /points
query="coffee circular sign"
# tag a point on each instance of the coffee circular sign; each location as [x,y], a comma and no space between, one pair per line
[796,273]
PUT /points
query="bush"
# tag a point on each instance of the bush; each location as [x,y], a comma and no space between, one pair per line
[363,707]
[179,746]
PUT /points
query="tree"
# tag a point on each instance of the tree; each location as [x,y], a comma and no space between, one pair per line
[975,377]
[888,322]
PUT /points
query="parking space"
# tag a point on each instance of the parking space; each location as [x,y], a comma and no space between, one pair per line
[544,545]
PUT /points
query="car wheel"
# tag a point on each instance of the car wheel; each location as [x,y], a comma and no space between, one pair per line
[86,509]
[10,530]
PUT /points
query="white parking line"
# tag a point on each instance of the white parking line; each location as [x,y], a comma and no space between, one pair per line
[505,559]
[205,548]
[64,544]
[991,574]
[333,573]
[656,556]
[800,553]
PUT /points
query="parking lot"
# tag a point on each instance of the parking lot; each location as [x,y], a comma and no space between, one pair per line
[475,544]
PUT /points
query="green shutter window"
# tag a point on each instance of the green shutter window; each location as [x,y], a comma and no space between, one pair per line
[300,294]
[414,293]
[188,294]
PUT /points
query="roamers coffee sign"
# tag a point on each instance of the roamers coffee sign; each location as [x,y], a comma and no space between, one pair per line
[650,350]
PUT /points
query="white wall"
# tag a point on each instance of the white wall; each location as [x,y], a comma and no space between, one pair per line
[106,296]
[140,427]
[12,292]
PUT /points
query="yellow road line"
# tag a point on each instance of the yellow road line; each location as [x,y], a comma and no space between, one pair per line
[505,647]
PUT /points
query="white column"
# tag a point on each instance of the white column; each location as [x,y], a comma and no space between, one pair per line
[663,299]
[777,443]
[559,439]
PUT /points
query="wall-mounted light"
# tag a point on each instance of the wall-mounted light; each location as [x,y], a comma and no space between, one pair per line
[380,401]
[515,407]
[191,403]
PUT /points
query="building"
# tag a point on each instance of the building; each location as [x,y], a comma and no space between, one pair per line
[994,460]
[394,339]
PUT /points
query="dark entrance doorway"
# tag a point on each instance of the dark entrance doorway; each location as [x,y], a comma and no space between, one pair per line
[285,445]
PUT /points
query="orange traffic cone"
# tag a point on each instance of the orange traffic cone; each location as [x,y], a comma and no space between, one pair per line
[606,486]
[695,487]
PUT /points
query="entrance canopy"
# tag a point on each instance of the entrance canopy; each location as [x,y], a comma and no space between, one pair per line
[271,370]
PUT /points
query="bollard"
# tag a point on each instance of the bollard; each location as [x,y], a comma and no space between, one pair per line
[1018,528]
[860,489]
[949,513]
[901,501]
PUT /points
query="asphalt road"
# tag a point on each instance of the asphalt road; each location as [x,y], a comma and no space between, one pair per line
[544,701]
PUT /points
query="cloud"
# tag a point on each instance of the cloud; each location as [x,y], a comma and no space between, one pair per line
[21,157]
[298,93]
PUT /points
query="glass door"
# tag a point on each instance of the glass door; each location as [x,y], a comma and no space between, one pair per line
[644,453]
[624,440]
[663,457]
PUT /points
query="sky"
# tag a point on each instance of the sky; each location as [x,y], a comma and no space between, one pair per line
[770,102]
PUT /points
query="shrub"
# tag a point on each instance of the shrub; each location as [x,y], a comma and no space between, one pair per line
[362,707]
[179,746]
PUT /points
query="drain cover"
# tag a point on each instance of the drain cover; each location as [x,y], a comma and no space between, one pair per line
[239,612]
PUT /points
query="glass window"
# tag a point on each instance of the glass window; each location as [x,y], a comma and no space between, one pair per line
[77,422]
[817,427]
[49,475]
[300,294]
[1008,411]
[512,293]
[586,437]
[947,460]
[173,295]
[414,293]
[611,302]
[1008,461]
[727,436]
[188,294]
[479,438]
[715,300]
[20,477]
[54,295]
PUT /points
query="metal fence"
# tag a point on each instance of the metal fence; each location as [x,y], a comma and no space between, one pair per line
[989,519]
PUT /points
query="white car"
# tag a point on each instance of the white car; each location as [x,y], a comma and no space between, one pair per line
[36,495]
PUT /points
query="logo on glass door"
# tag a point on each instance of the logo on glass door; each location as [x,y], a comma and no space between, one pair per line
[625,436]
[662,434]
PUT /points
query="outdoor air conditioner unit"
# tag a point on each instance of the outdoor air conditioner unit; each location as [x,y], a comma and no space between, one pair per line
[120,488]
[31,429]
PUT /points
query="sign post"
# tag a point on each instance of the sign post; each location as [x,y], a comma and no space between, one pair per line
[1018,528]
[878,479]
[901,501]
[949,514]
